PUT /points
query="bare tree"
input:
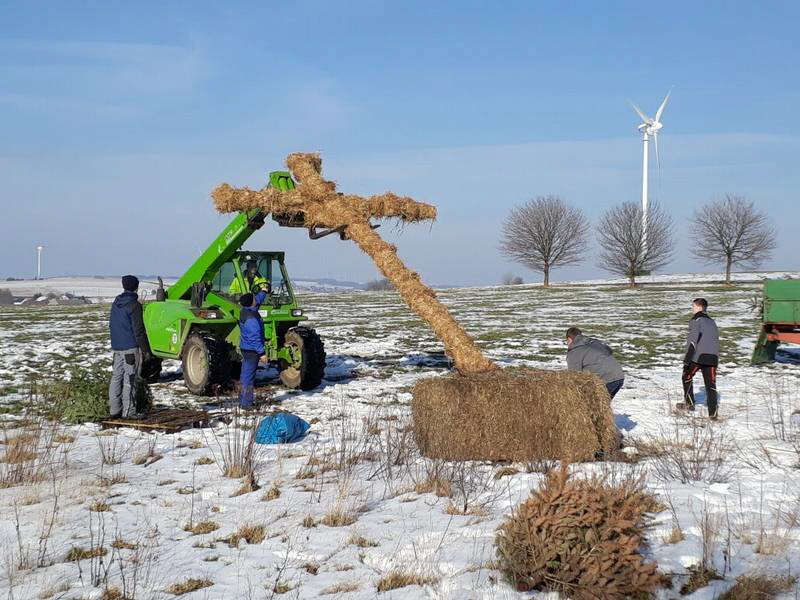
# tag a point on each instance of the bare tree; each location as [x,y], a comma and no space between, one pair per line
[625,250]
[508,279]
[732,230]
[544,233]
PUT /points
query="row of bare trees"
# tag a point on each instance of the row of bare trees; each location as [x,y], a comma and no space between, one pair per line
[546,232]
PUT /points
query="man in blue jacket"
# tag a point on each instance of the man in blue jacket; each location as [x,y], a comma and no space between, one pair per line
[130,346]
[251,344]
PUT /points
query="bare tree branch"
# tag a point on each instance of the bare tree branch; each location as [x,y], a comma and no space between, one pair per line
[545,233]
[624,250]
[732,231]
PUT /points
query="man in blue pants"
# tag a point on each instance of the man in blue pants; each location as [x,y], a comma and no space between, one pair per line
[251,344]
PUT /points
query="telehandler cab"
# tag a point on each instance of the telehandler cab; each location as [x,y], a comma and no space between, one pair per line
[196,319]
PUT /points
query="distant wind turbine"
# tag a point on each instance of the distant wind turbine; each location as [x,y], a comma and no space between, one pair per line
[649,128]
[39,262]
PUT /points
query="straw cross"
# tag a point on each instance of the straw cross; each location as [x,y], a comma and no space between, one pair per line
[316,203]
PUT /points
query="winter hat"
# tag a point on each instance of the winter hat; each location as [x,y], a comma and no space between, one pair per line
[130,283]
[246,299]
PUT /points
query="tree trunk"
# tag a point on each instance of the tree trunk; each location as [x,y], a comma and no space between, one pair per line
[546,276]
[422,300]
[728,270]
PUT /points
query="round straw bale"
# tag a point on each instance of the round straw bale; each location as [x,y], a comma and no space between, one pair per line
[514,414]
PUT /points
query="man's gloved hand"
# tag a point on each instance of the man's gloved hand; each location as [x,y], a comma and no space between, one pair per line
[687,360]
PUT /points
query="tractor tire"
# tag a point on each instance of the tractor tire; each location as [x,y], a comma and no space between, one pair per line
[206,364]
[308,374]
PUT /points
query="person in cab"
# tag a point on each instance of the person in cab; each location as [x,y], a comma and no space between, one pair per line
[253,280]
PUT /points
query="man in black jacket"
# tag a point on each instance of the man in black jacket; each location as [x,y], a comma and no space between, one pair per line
[130,346]
[702,354]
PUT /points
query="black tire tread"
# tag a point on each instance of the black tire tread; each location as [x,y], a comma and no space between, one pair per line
[313,367]
[219,362]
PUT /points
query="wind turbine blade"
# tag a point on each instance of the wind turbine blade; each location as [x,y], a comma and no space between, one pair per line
[658,155]
[644,117]
[661,108]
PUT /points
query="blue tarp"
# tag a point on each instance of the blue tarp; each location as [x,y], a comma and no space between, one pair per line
[281,428]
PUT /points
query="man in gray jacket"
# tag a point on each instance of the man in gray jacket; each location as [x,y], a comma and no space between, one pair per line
[588,354]
[702,354]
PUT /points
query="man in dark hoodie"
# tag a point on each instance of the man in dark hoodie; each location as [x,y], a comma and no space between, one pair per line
[702,354]
[130,346]
[588,354]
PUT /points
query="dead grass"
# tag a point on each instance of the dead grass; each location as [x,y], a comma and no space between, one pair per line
[361,541]
[758,587]
[338,517]
[248,486]
[77,553]
[436,484]
[400,579]
[113,593]
[189,585]
[341,588]
[99,506]
[308,522]
[29,454]
[505,472]
[251,533]
[271,494]
[201,527]
[282,587]
[205,460]
[121,544]
[674,536]
[699,577]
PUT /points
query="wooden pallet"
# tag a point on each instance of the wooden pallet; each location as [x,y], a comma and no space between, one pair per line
[169,420]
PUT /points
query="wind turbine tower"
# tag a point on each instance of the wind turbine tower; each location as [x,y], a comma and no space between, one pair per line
[39,261]
[649,128]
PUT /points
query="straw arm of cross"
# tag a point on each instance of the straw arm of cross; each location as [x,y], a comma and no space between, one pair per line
[316,203]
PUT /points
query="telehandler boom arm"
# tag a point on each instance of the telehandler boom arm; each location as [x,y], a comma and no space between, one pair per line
[227,243]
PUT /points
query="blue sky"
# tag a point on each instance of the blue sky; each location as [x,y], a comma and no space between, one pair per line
[119,118]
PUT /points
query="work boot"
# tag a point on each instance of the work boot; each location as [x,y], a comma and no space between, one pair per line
[115,415]
[137,416]
[685,406]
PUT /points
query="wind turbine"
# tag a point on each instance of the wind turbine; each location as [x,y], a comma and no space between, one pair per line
[39,262]
[649,128]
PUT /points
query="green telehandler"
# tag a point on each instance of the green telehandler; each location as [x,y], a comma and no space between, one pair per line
[196,319]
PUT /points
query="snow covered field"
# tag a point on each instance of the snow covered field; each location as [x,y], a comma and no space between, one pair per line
[347,507]
[104,289]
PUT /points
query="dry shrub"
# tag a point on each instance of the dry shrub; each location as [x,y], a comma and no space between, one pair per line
[399,579]
[236,451]
[30,454]
[758,587]
[514,414]
[690,452]
[580,538]
[190,585]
